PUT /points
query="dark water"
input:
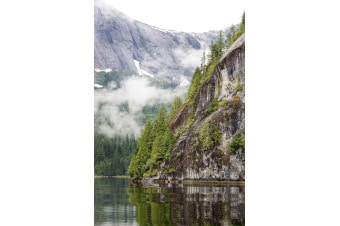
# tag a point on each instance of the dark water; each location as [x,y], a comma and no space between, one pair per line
[118,203]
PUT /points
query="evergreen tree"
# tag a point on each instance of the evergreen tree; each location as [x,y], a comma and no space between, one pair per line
[138,165]
[158,149]
[161,122]
[157,140]
[132,170]
[195,83]
[220,45]
[112,155]
[233,34]
[176,104]
[203,63]
[216,49]
[154,145]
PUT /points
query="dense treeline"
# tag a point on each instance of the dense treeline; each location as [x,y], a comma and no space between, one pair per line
[124,154]
[112,155]
[155,143]
[157,140]
[105,78]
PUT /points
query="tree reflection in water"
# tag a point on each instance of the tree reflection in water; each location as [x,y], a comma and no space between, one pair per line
[188,204]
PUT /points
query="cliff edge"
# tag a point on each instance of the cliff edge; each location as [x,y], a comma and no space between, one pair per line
[212,143]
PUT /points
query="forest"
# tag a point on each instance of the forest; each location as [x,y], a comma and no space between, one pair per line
[125,155]
[157,139]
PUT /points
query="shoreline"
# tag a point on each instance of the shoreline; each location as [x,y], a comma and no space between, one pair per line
[187,182]
[99,176]
[184,182]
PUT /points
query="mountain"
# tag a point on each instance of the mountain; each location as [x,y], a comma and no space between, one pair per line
[212,147]
[202,138]
[124,44]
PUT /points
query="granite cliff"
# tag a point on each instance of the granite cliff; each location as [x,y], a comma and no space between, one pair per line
[211,145]
[124,44]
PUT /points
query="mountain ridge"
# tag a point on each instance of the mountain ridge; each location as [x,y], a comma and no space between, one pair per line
[219,133]
[120,42]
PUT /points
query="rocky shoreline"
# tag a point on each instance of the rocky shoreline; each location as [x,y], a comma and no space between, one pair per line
[155,180]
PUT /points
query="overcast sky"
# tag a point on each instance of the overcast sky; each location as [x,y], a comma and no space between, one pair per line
[183,15]
[292,96]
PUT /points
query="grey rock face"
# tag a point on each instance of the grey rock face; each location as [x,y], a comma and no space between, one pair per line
[119,41]
[227,85]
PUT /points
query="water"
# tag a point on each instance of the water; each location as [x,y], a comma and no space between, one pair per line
[119,203]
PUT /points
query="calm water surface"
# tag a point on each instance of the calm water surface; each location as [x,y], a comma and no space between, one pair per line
[117,202]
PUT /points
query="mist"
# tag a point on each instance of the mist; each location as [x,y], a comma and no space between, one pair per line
[119,111]
[189,58]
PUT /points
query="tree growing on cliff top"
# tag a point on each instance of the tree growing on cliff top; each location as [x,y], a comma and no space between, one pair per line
[233,35]
[154,145]
[157,139]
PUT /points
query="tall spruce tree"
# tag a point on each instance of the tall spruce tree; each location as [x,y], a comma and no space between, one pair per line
[176,104]
[138,164]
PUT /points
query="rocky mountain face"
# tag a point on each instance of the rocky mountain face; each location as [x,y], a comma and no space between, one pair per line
[212,147]
[124,44]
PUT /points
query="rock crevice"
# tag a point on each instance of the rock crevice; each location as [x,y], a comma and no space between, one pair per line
[193,157]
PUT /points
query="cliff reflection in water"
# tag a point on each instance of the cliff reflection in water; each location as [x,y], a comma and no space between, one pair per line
[188,205]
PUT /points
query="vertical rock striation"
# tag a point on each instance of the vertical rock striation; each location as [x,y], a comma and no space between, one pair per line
[120,42]
[205,149]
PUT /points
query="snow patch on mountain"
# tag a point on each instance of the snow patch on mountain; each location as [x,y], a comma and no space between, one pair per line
[137,66]
[141,71]
[107,70]
[98,86]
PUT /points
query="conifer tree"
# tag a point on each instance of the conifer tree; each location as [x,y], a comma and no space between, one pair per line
[220,45]
[195,82]
[161,122]
[138,163]
[176,104]
[203,63]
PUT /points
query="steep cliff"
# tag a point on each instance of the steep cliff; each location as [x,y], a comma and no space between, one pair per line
[211,143]
[125,44]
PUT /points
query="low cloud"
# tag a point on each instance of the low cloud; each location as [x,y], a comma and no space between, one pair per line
[118,112]
[189,58]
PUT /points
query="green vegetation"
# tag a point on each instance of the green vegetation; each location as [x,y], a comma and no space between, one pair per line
[236,143]
[236,222]
[179,154]
[154,145]
[150,111]
[199,77]
[168,170]
[157,140]
[166,206]
[212,107]
[210,135]
[150,209]
[176,105]
[162,84]
[112,155]
[105,78]
[202,74]
[238,88]
[233,34]
[138,162]
[222,104]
